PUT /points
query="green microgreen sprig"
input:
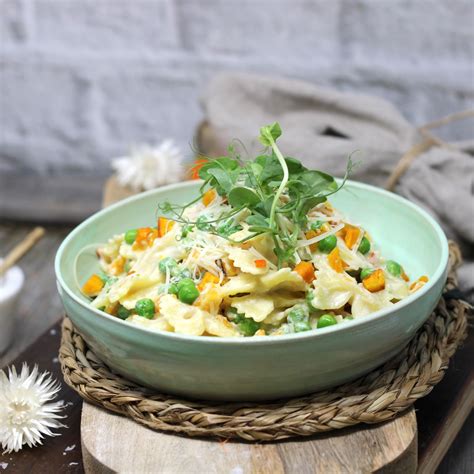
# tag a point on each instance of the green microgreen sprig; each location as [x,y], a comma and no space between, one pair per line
[277,192]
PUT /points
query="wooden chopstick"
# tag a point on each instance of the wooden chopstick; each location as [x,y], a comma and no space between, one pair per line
[21,249]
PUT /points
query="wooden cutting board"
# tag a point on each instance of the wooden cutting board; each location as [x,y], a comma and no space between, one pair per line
[114,443]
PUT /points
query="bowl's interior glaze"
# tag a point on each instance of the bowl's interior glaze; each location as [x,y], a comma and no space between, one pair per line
[400,230]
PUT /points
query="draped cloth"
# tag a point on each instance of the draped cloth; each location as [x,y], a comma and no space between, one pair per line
[322,127]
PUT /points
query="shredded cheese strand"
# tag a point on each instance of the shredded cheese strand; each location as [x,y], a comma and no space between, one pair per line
[306,243]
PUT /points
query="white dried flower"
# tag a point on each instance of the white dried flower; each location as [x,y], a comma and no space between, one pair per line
[25,415]
[149,167]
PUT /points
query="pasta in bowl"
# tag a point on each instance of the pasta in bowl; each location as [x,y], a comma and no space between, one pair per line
[184,279]
[213,299]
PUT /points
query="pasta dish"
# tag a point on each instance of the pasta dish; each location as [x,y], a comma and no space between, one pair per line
[260,251]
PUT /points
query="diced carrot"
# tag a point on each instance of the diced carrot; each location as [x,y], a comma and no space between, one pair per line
[335,260]
[164,226]
[424,279]
[207,279]
[197,165]
[405,276]
[208,197]
[351,236]
[260,263]
[375,281]
[306,271]
[93,285]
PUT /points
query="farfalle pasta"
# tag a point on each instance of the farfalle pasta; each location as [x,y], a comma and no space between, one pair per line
[260,252]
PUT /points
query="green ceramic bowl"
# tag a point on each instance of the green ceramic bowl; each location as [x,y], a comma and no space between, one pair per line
[258,368]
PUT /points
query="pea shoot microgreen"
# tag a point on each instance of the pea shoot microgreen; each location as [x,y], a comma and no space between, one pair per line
[277,193]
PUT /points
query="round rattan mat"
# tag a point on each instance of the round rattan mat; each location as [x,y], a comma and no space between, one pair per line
[376,397]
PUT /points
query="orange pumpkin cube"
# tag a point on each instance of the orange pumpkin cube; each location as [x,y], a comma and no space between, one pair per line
[351,236]
[335,261]
[93,286]
[208,197]
[375,281]
[141,240]
[306,271]
[164,226]
[207,279]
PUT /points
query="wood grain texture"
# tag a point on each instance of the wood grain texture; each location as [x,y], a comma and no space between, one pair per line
[39,305]
[111,443]
[460,457]
[443,413]
[61,453]
[114,192]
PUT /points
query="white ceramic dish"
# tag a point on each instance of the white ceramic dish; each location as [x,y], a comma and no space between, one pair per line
[10,287]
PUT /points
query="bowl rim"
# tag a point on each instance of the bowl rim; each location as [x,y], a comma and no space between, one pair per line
[437,275]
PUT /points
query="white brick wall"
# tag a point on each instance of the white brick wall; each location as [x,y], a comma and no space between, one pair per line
[82,80]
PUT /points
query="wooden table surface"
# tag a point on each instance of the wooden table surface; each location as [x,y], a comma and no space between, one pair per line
[39,308]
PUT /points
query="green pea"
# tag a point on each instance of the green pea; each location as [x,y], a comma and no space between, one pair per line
[247,326]
[187,293]
[168,264]
[326,320]
[186,230]
[145,308]
[365,272]
[394,268]
[173,289]
[302,326]
[364,246]
[130,236]
[328,243]
[185,282]
[316,225]
[124,313]
[297,315]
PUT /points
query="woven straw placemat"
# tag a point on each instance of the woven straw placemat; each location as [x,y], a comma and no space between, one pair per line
[376,397]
